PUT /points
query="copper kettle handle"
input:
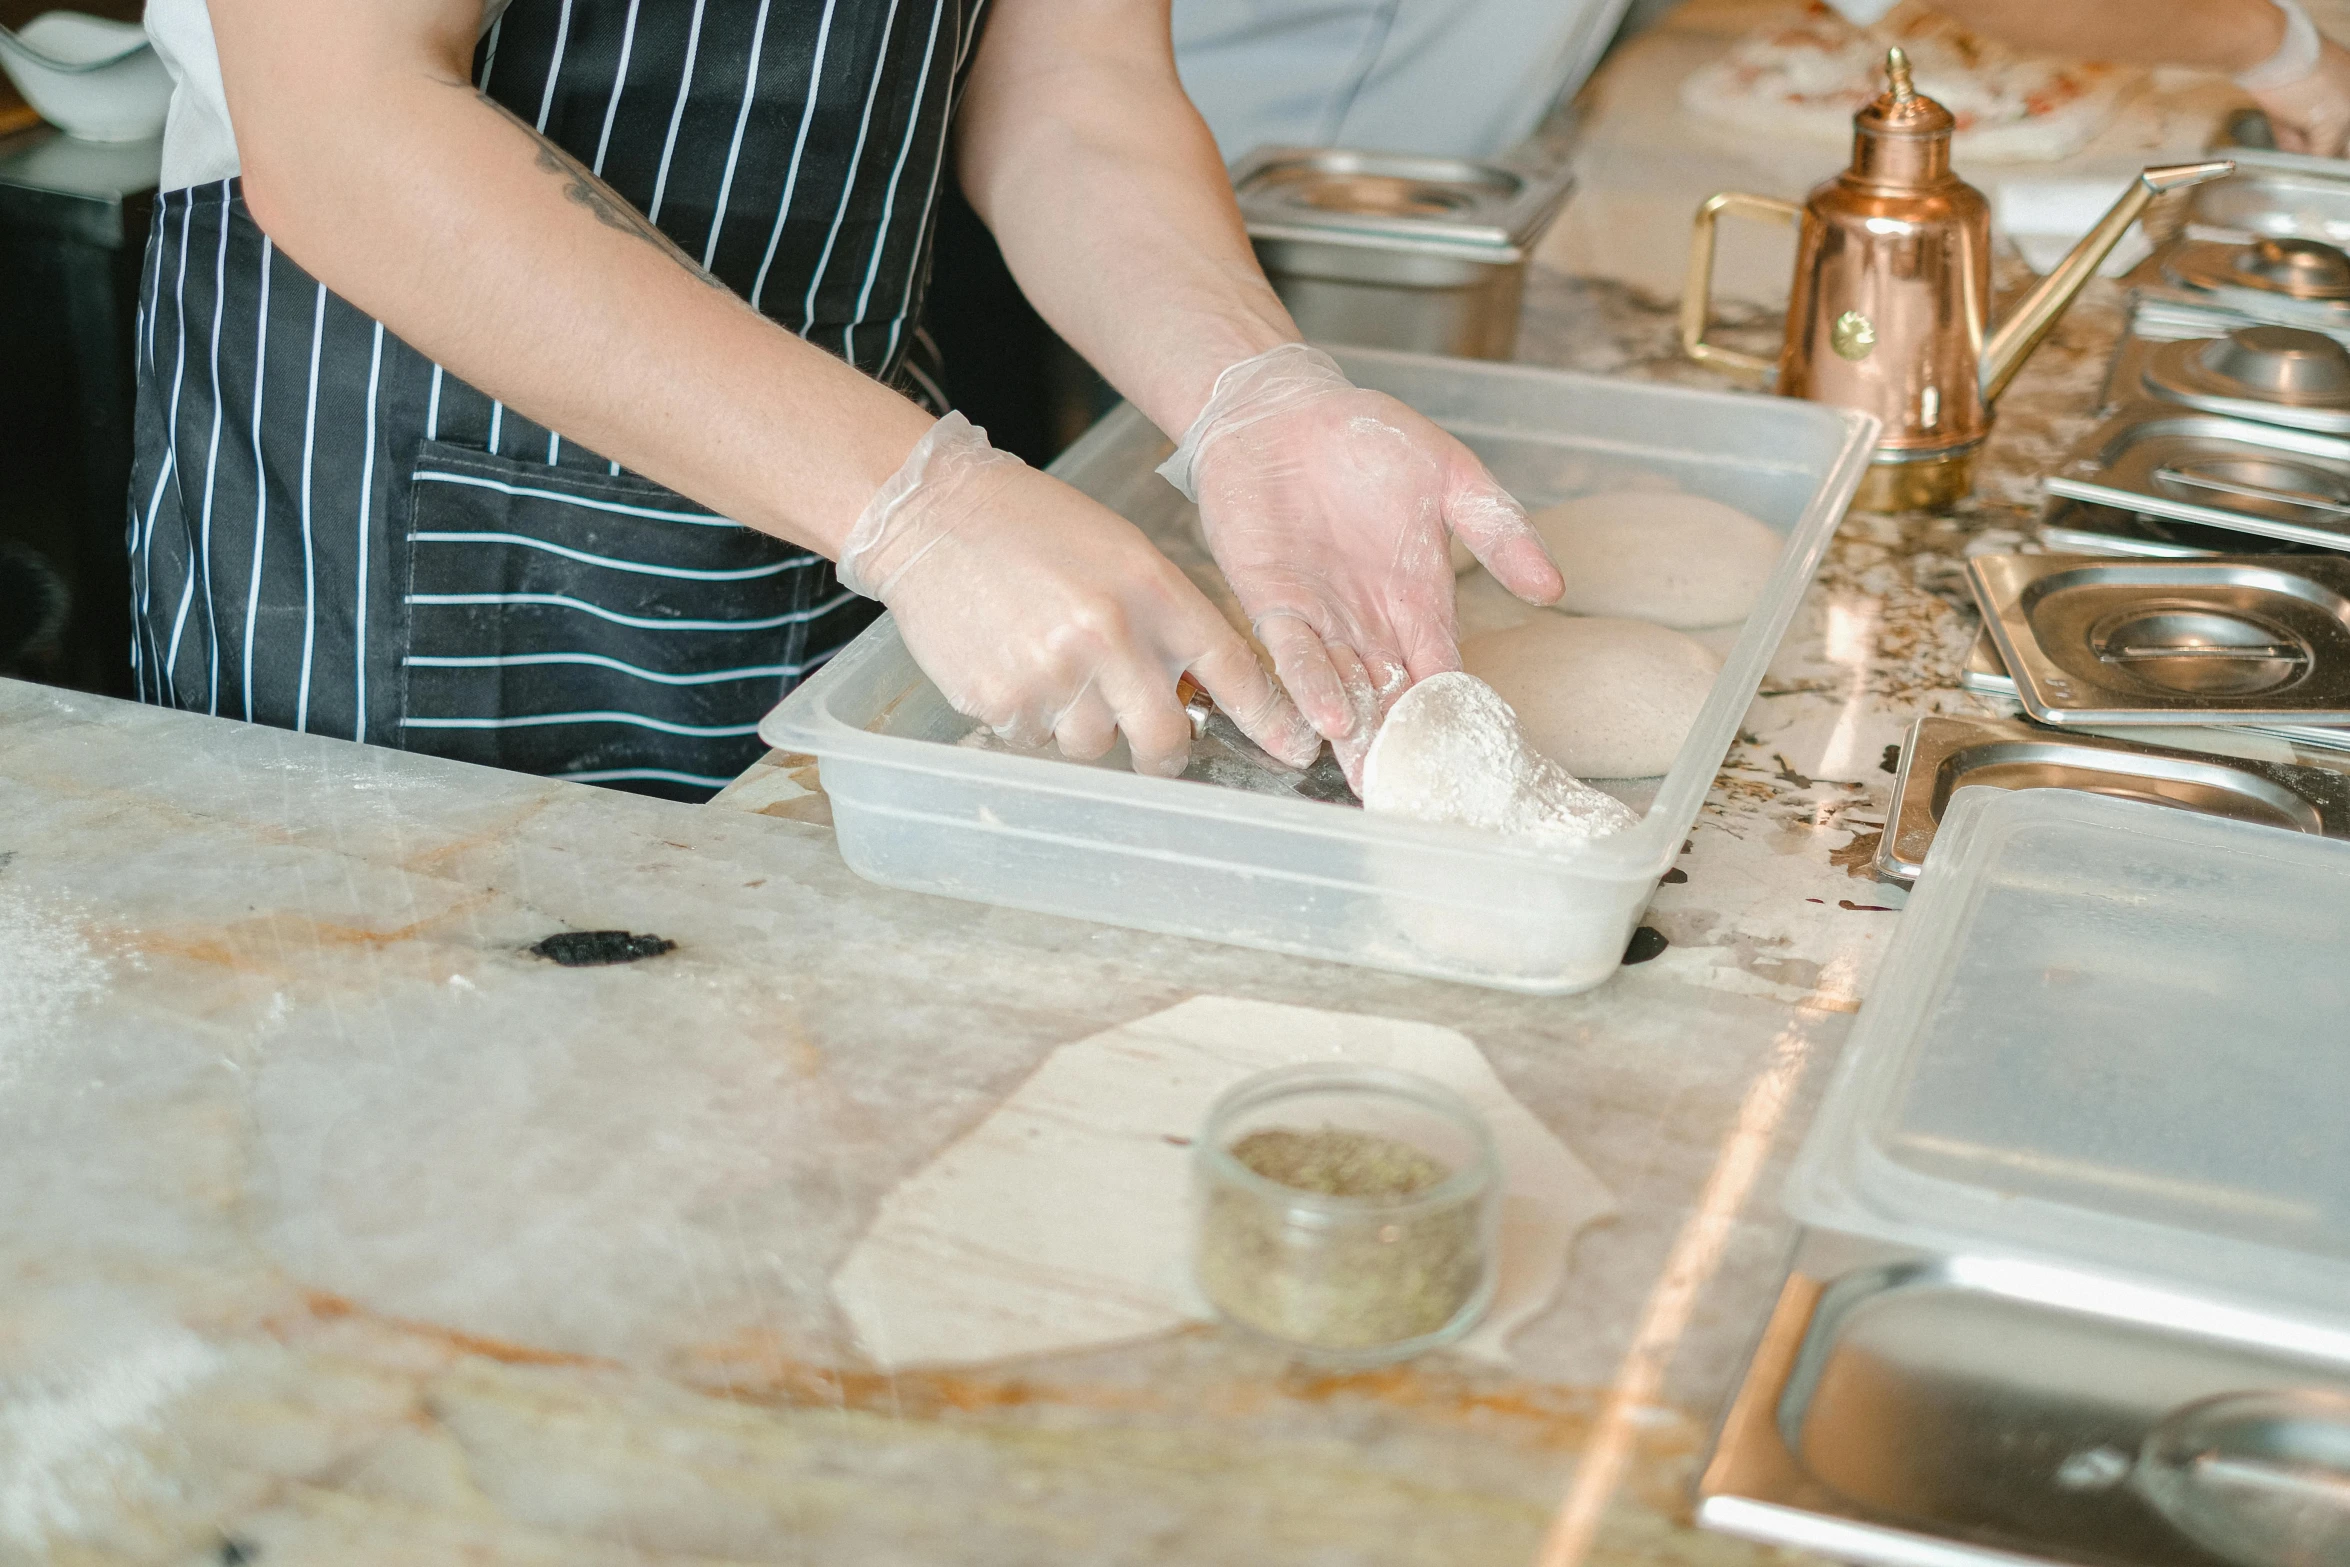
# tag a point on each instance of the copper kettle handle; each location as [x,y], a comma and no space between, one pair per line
[1697,292]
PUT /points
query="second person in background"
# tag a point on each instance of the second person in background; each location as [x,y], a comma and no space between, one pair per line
[1468,78]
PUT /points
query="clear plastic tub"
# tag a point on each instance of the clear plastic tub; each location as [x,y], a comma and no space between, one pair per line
[2113,1036]
[913,809]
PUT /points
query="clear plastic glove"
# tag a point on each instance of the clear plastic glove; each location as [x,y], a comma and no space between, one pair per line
[2303,87]
[1332,510]
[2312,114]
[1044,615]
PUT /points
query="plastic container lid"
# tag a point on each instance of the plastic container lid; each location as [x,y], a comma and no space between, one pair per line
[2110,1035]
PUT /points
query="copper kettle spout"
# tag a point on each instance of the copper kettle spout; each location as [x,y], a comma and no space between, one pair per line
[2035,315]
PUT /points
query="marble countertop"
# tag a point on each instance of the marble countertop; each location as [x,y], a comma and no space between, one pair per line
[340,1228]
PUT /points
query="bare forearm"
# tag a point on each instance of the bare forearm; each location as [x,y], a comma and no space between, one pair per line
[390,179]
[2218,35]
[1105,191]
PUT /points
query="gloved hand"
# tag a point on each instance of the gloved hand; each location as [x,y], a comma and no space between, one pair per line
[1044,614]
[2312,115]
[2304,88]
[1331,510]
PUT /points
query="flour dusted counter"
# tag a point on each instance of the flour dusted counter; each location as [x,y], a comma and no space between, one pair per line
[343,1228]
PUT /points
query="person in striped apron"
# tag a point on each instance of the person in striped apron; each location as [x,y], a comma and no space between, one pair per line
[512,376]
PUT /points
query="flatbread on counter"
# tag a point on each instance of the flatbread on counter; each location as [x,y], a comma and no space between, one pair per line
[1806,76]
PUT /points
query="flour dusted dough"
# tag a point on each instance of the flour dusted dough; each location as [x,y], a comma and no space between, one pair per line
[1602,698]
[1481,604]
[1452,751]
[1679,560]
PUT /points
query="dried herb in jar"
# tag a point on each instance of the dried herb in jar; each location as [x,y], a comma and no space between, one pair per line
[1344,1277]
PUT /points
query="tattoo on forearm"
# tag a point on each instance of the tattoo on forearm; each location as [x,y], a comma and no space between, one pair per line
[601,200]
[610,210]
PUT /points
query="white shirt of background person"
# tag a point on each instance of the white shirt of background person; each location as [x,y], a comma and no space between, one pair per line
[1444,78]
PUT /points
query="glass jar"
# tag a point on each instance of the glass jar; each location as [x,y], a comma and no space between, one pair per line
[1348,1212]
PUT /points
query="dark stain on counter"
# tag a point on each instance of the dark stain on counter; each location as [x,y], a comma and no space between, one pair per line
[588,948]
[1647,942]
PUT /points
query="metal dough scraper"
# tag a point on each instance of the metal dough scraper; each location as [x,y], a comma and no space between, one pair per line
[1223,755]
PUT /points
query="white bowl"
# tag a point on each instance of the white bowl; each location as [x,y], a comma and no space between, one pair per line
[92,78]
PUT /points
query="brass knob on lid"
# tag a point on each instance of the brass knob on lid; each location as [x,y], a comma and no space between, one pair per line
[1897,73]
[1901,137]
[1901,110]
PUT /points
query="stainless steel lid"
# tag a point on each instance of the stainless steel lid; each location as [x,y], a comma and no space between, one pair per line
[2278,374]
[1943,755]
[2105,640]
[2070,527]
[2282,364]
[2307,269]
[2193,465]
[1354,196]
[2301,268]
[1986,675]
[2280,193]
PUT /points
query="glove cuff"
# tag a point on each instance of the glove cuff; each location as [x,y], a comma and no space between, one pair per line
[1255,388]
[917,507]
[2295,58]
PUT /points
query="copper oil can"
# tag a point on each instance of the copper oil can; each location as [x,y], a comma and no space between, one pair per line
[1892,299]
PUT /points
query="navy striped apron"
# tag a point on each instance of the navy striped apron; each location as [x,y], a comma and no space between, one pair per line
[330,533]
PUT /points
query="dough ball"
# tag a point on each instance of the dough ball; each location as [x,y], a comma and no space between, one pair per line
[1602,698]
[1452,751]
[1481,604]
[1679,560]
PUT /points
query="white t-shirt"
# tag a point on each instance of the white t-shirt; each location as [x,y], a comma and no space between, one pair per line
[198,145]
[1444,78]
[1461,78]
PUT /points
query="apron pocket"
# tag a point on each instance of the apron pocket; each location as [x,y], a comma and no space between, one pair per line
[600,628]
